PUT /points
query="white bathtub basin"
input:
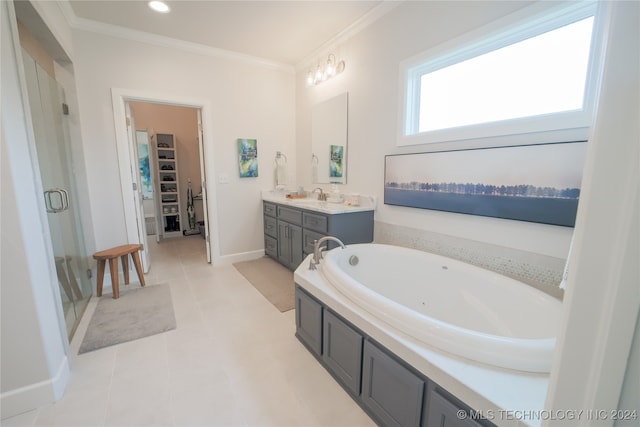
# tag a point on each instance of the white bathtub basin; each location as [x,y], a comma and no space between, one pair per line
[450,305]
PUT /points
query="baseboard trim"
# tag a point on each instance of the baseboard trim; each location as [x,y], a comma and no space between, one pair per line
[239,257]
[33,396]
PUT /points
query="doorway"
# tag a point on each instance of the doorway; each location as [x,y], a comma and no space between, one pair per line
[171,170]
[133,199]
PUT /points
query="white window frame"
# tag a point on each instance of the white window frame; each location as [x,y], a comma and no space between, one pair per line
[526,23]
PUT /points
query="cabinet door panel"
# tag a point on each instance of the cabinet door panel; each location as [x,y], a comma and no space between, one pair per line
[442,413]
[309,321]
[295,236]
[342,351]
[389,390]
[284,245]
[289,244]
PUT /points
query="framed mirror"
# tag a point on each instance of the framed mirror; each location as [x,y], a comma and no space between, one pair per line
[329,141]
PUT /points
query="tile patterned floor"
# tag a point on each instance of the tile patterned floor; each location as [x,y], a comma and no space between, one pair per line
[233,360]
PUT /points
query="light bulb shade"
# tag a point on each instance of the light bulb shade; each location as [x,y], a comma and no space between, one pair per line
[331,65]
[159,6]
[322,73]
[319,75]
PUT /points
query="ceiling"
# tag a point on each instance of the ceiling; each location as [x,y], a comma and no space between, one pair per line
[284,32]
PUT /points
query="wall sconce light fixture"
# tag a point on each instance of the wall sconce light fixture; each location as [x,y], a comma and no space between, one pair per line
[321,74]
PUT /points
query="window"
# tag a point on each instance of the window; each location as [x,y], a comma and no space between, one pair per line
[531,77]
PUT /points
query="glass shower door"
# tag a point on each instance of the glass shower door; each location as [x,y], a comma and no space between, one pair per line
[56,172]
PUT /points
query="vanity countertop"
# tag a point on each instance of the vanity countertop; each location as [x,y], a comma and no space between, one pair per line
[367,203]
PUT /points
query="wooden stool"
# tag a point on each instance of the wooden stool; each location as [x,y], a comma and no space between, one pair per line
[112,255]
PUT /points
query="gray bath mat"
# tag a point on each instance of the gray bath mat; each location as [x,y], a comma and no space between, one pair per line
[271,279]
[138,313]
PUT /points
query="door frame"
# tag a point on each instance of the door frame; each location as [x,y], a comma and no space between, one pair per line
[121,96]
[132,139]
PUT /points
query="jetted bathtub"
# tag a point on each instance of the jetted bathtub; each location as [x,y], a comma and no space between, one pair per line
[448,304]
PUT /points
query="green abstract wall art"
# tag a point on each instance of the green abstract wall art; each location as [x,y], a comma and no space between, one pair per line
[248,157]
[336,165]
[145,171]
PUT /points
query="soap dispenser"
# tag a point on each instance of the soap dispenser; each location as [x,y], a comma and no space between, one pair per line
[335,196]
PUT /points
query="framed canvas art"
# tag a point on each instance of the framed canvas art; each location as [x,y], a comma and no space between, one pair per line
[248,157]
[536,183]
[145,171]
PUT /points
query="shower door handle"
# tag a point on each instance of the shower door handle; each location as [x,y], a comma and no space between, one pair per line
[62,199]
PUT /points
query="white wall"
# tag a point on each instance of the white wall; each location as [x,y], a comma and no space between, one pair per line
[371,78]
[248,101]
[602,300]
[33,345]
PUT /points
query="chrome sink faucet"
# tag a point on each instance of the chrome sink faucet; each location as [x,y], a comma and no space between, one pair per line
[322,196]
[317,250]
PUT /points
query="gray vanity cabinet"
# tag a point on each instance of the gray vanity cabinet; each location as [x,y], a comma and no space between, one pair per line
[290,232]
[342,352]
[390,391]
[309,321]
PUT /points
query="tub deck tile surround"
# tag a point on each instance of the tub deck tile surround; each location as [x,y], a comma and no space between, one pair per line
[540,271]
[482,387]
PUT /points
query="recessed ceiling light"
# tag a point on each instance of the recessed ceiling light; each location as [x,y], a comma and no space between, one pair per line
[159,6]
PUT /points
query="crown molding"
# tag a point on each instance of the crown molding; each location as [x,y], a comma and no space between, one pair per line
[110,30]
[369,18]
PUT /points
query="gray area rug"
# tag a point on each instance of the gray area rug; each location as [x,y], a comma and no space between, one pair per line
[271,279]
[138,313]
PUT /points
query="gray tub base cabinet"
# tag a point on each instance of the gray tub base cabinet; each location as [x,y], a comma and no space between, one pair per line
[388,389]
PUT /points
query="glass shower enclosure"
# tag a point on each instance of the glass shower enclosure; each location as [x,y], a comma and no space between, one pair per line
[48,113]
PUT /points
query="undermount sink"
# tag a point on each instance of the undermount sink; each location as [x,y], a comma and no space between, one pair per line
[308,201]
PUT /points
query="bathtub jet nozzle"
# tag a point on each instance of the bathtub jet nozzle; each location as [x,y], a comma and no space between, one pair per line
[317,250]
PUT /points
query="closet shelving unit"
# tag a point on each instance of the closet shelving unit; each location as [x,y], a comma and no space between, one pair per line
[167,178]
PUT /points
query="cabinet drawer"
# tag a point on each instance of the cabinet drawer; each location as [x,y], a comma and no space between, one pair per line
[269,209]
[293,216]
[270,246]
[270,226]
[314,222]
[308,239]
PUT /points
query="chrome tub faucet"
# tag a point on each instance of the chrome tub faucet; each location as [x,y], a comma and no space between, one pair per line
[317,250]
